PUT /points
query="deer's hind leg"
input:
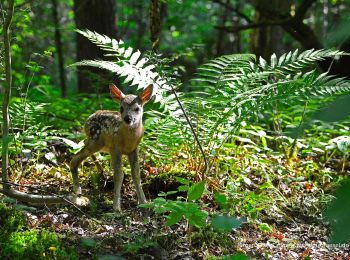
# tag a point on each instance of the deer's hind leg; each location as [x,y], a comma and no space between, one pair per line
[89,149]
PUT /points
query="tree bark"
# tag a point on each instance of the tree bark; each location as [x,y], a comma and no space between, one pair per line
[155,24]
[157,12]
[58,44]
[96,16]
[7,95]
[220,41]
[36,198]
[267,39]
[140,24]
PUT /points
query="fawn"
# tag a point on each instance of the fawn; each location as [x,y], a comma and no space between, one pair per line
[118,134]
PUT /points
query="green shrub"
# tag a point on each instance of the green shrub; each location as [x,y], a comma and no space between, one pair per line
[18,243]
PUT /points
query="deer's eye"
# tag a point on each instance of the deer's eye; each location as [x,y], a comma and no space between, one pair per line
[121,110]
[137,109]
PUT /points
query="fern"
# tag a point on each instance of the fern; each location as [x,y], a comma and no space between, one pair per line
[227,91]
[129,64]
[239,86]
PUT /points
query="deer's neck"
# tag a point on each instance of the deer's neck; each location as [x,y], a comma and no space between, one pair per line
[132,132]
[129,138]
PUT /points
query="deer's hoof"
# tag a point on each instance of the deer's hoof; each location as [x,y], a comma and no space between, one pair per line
[81,201]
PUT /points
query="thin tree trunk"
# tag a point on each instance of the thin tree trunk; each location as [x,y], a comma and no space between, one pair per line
[220,41]
[237,45]
[155,23]
[58,44]
[5,106]
[140,24]
[267,40]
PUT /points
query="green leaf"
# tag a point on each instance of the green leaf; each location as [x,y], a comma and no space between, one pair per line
[225,223]
[263,63]
[88,243]
[182,180]
[264,227]
[183,188]
[196,191]
[164,194]
[173,218]
[198,219]
[338,215]
[273,60]
[146,206]
[221,200]
[239,256]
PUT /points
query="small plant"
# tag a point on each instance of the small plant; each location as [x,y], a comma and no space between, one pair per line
[189,208]
[342,145]
[33,244]
[184,207]
[140,243]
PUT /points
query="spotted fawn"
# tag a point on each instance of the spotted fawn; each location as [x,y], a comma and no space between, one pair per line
[118,134]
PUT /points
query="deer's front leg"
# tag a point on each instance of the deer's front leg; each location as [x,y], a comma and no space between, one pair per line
[118,177]
[135,173]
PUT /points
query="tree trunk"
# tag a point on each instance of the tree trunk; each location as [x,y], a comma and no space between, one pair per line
[267,40]
[155,23]
[220,42]
[96,16]
[140,24]
[58,44]
[7,95]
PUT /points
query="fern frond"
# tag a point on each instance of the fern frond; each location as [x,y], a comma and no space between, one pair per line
[129,64]
[239,87]
[221,68]
[293,61]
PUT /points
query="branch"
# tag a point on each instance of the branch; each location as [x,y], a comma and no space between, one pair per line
[302,33]
[233,9]
[252,25]
[292,24]
[204,171]
[34,198]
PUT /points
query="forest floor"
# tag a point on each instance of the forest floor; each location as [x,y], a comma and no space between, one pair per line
[281,199]
[96,232]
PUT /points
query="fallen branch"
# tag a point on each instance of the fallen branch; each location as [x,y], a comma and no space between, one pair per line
[34,198]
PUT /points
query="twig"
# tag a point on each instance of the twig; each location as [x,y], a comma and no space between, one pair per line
[251,25]
[193,132]
[233,9]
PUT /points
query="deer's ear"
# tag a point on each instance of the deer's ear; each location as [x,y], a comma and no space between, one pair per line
[116,93]
[146,94]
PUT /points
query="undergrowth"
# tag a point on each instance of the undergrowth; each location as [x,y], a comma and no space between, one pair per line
[19,242]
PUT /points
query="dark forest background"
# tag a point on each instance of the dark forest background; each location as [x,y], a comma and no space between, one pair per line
[45,37]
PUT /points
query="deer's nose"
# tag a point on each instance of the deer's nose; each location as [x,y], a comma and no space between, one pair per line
[127,119]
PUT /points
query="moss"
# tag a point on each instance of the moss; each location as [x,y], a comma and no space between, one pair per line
[19,243]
